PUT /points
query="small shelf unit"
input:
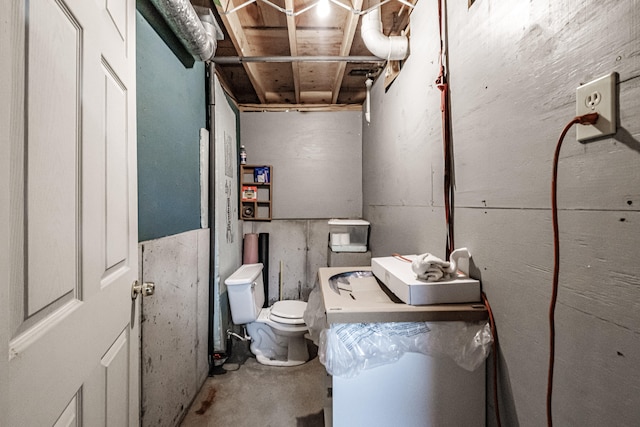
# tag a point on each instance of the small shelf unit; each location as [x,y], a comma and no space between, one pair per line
[256,192]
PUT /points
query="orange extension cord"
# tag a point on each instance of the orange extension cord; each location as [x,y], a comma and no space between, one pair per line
[587,119]
[494,349]
[443,86]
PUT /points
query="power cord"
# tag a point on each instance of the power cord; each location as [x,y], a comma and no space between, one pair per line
[443,86]
[587,119]
[494,349]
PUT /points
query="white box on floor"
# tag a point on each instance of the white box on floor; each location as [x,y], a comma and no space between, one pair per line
[398,276]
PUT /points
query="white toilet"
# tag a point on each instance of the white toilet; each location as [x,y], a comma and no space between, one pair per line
[277,332]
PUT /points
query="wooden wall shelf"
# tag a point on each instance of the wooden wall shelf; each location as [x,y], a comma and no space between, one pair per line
[256,192]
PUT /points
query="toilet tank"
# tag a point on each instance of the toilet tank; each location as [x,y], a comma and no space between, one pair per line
[246,293]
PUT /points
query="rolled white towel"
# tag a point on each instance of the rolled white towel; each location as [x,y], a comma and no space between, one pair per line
[434,274]
[430,268]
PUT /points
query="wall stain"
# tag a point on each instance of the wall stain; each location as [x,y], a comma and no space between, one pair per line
[206,403]
[311,420]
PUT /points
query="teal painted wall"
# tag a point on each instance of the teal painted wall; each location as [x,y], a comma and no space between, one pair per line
[171,109]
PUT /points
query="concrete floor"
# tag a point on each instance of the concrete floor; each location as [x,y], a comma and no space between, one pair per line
[251,394]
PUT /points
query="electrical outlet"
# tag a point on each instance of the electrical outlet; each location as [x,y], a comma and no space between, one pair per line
[598,96]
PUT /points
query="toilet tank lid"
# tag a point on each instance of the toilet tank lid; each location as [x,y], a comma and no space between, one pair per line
[244,275]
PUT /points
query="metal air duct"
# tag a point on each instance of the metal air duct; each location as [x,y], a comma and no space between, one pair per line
[185,23]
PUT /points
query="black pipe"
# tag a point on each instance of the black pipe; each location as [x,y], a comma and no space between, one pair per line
[263,257]
[210,94]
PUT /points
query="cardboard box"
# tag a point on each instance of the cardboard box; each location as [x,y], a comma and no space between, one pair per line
[249,192]
[398,276]
[261,174]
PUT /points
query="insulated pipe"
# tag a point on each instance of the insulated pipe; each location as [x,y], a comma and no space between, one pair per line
[185,23]
[386,47]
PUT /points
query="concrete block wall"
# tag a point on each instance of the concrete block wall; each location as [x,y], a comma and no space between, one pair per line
[301,247]
[514,67]
[174,325]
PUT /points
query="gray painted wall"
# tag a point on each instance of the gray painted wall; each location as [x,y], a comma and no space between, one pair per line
[171,111]
[316,159]
[317,175]
[514,67]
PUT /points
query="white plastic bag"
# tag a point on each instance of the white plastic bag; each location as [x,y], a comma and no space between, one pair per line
[347,349]
[315,316]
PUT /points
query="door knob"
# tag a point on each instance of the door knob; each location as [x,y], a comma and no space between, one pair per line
[145,289]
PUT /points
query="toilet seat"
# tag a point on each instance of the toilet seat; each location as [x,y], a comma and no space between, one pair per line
[288,312]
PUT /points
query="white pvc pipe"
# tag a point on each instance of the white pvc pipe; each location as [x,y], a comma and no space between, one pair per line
[367,105]
[386,47]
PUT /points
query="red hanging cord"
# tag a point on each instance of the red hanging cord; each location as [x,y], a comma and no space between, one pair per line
[494,349]
[442,84]
[587,119]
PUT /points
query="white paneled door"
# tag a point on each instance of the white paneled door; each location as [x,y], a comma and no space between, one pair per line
[68,214]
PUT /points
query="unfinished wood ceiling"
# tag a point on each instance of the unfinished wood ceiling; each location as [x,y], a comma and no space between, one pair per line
[264,59]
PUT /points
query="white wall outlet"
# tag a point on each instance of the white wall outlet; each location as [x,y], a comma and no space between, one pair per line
[598,96]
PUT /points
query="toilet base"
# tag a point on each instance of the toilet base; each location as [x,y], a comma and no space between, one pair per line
[274,362]
[274,349]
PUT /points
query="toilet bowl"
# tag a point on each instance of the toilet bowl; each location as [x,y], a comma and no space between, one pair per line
[277,332]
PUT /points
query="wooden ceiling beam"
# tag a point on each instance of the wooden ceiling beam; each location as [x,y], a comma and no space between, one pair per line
[350,27]
[261,42]
[293,47]
[242,45]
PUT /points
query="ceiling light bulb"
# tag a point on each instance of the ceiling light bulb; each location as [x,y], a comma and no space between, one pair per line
[323,8]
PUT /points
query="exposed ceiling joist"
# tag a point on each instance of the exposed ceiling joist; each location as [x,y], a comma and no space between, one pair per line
[280,52]
[238,36]
[293,47]
[345,48]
